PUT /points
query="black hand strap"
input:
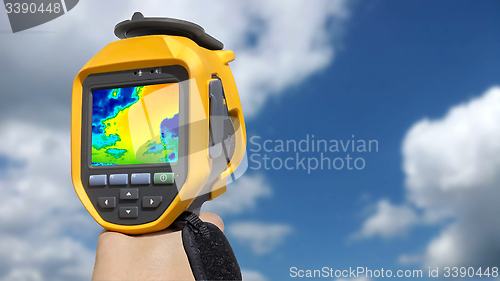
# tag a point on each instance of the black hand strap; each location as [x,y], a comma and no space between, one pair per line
[210,254]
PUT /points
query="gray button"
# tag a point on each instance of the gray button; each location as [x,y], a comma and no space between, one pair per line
[129,194]
[129,212]
[107,202]
[144,178]
[119,179]
[151,201]
[98,180]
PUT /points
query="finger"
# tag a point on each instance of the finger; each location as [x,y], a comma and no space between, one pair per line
[212,218]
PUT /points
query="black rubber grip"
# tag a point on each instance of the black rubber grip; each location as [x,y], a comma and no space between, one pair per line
[209,253]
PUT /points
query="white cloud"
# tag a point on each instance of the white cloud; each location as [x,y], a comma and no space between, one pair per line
[242,195]
[261,237]
[44,225]
[251,275]
[447,160]
[453,171]
[278,44]
[452,168]
[388,221]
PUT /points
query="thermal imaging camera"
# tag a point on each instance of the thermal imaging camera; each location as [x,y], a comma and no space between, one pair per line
[156,125]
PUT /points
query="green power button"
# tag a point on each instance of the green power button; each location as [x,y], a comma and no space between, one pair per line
[164,178]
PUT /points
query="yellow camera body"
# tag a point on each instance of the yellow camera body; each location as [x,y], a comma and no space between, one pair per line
[155,60]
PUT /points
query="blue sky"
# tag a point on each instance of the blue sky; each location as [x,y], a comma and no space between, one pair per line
[417,76]
[401,61]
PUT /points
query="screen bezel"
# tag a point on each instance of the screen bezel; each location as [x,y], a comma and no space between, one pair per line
[127,78]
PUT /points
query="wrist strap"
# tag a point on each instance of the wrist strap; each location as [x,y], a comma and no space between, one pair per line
[209,253]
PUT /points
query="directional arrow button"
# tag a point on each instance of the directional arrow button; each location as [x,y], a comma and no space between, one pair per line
[129,194]
[129,212]
[151,201]
[107,202]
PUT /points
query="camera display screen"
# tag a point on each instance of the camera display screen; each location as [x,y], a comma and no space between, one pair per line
[135,125]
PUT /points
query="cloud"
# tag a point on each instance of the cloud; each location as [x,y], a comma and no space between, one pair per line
[452,168]
[278,45]
[250,275]
[261,237]
[242,195]
[388,221]
[453,171]
[44,225]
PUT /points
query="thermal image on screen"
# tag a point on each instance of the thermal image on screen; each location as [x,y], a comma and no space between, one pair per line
[135,125]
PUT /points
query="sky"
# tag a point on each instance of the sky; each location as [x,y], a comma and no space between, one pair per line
[421,79]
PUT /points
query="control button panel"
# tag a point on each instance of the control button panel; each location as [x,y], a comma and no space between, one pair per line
[98,180]
[118,179]
[107,202]
[132,198]
[129,212]
[163,178]
[151,201]
[143,178]
[129,194]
